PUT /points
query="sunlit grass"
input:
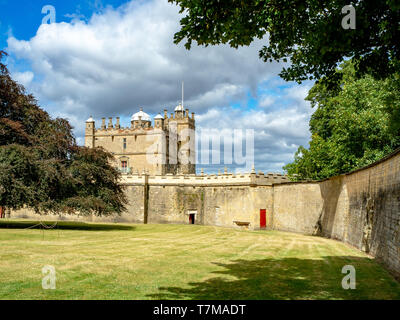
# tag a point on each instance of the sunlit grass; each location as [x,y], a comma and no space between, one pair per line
[109,261]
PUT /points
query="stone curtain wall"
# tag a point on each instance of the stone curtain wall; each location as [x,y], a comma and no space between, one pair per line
[218,206]
[296,207]
[361,208]
[374,211]
[224,200]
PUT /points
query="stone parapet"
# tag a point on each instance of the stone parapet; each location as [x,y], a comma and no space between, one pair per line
[226,179]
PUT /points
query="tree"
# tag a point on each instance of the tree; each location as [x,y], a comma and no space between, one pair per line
[43,168]
[351,127]
[308,34]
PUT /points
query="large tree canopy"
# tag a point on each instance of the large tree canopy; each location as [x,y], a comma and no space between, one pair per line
[42,167]
[307,33]
[352,126]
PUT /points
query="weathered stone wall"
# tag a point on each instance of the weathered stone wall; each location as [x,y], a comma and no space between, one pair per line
[222,200]
[296,207]
[219,206]
[374,211]
[361,208]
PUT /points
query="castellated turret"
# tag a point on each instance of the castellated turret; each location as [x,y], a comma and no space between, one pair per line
[185,127]
[89,132]
[168,146]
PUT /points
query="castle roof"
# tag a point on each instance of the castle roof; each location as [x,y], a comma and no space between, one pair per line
[144,115]
[179,108]
[90,119]
[159,116]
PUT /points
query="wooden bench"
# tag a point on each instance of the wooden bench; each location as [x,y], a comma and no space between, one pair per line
[242,224]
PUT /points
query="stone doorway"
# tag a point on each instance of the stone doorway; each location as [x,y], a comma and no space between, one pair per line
[192,216]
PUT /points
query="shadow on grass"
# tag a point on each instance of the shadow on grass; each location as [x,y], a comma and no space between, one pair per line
[70,225]
[289,278]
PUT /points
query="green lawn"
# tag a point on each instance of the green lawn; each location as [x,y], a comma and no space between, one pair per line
[110,261]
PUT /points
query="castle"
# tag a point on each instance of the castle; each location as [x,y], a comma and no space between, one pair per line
[168,147]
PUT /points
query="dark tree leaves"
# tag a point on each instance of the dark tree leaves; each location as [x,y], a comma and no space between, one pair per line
[307,33]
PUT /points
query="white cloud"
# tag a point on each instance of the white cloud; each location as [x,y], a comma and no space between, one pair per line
[266,101]
[298,94]
[24,78]
[125,57]
[277,133]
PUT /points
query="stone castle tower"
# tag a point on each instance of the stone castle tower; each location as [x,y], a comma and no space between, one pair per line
[166,147]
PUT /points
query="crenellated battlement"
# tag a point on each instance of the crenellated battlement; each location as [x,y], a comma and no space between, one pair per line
[192,180]
[125,130]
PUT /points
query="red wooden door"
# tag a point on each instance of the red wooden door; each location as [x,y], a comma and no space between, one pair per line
[263,218]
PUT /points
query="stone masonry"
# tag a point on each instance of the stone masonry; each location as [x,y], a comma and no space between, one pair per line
[166,147]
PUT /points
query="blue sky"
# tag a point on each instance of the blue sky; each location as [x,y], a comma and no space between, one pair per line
[108,58]
[23,17]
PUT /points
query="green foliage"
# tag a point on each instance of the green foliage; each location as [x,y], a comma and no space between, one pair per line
[351,127]
[42,167]
[308,33]
[17,175]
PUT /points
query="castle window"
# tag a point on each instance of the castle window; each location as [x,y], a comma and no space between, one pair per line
[124,166]
[124,144]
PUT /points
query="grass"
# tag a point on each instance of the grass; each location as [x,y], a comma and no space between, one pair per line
[111,261]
